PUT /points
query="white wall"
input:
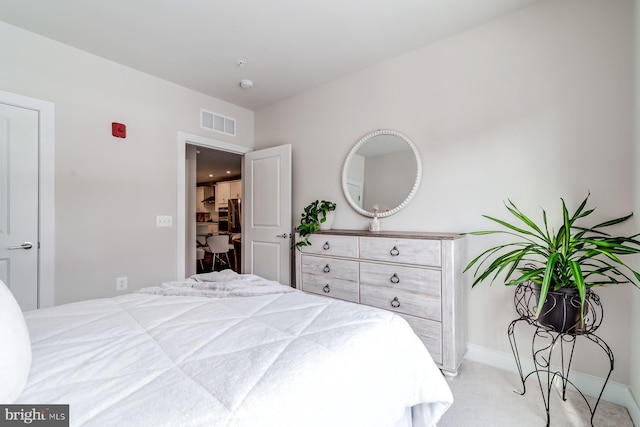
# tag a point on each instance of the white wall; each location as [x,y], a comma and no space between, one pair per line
[635,318]
[533,106]
[109,190]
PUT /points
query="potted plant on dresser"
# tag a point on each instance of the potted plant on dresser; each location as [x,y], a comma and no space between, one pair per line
[317,215]
[561,267]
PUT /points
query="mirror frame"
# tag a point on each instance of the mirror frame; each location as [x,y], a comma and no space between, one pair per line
[355,148]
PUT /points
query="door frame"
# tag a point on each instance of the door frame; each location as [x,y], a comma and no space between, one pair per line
[46,191]
[185,138]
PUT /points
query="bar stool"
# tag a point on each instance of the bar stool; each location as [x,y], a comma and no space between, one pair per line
[200,257]
[219,247]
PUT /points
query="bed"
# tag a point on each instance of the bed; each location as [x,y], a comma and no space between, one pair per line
[231,350]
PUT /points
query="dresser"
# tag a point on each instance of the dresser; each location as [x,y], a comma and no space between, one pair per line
[417,275]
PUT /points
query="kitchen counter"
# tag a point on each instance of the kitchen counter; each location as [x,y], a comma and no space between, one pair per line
[206,227]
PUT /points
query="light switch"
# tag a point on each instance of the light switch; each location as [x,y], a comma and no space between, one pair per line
[164,221]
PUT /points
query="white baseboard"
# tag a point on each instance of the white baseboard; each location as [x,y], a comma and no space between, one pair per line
[633,407]
[590,385]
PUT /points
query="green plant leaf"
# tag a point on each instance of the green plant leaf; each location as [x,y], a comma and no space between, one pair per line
[612,222]
[580,285]
[546,281]
[314,214]
[522,217]
[512,227]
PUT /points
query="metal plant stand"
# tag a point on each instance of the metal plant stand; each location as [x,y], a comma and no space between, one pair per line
[546,342]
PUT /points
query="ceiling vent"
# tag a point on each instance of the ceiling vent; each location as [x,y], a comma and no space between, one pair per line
[217,122]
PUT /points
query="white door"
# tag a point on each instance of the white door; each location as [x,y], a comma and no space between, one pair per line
[19,203]
[355,191]
[266,230]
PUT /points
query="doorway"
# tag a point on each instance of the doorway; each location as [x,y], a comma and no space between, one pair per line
[266,173]
[186,220]
[218,201]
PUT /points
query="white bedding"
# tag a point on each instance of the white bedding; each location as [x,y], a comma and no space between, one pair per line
[219,284]
[279,359]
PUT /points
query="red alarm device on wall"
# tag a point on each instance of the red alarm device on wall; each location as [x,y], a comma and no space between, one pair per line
[118,130]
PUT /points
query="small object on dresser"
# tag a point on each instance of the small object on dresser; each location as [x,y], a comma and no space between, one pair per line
[317,215]
[374,223]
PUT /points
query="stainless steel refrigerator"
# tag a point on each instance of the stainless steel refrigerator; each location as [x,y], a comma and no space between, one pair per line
[235,216]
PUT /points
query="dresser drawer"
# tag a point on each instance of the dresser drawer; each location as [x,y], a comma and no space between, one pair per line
[331,277]
[327,244]
[340,290]
[430,333]
[411,279]
[401,301]
[404,251]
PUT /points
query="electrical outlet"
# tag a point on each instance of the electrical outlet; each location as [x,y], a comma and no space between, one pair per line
[164,221]
[121,283]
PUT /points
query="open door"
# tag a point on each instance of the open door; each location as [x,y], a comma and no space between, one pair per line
[266,231]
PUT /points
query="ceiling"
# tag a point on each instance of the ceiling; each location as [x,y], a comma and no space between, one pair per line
[289,46]
[213,165]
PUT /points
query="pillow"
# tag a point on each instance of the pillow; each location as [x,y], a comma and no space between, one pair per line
[15,348]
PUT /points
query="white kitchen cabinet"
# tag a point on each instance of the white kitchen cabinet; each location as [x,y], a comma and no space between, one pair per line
[226,190]
[235,189]
[222,194]
[416,275]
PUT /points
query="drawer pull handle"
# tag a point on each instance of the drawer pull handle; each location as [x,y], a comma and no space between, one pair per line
[394,251]
[326,289]
[326,246]
[395,303]
[395,278]
[326,268]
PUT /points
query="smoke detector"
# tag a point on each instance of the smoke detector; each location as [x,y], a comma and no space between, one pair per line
[246,84]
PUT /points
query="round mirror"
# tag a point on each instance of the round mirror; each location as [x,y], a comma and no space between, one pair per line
[383,169]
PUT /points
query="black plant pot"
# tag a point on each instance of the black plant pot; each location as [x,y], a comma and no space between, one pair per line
[561,310]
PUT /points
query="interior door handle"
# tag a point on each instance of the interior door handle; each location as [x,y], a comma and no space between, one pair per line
[25,245]
[284,236]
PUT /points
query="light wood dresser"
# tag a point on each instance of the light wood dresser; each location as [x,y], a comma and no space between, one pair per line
[417,275]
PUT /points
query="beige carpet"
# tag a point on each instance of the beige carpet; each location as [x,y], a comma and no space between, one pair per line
[484,396]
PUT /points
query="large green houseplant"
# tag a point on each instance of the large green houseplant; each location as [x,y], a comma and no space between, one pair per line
[315,213]
[575,257]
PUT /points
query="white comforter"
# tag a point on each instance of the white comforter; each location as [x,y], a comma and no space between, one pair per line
[280,359]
